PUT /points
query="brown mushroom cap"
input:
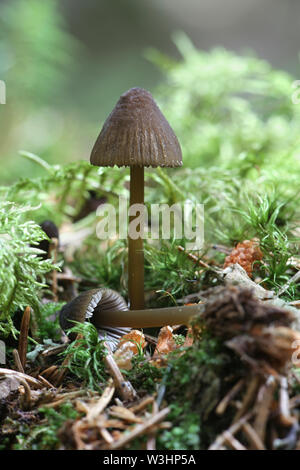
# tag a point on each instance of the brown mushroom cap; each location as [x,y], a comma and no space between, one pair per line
[136,134]
[89,305]
[85,304]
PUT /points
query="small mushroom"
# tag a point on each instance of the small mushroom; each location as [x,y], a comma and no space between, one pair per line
[136,134]
[107,310]
[85,306]
[51,230]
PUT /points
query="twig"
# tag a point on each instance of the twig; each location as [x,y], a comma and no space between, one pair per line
[218,443]
[139,429]
[284,409]
[62,398]
[263,406]
[55,373]
[222,249]
[151,441]
[196,260]
[20,376]
[248,398]
[23,340]
[142,404]
[284,288]
[233,442]
[229,396]
[57,376]
[45,381]
[253,437]
[54,350]
[106,436]
[96,409]
[124,387]
[125,414]
[49,371]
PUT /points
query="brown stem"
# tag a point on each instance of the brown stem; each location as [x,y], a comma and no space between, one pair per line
[146,318]
[23,339]
[111,311]
[135,247]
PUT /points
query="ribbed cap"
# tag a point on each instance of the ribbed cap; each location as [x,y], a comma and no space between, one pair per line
[136,134]
[89,305]
[85,304]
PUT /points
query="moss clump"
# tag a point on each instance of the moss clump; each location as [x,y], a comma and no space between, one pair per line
[196,379]
[45,435]
[144,376]
[85,356]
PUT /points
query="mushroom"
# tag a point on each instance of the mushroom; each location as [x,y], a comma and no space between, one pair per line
[52,232]
[84,307]
[136,134]
[107,310]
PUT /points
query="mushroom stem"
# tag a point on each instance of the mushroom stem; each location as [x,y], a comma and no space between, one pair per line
[146,318]
[135,247]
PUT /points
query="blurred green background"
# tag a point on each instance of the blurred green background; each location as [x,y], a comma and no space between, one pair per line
[65,63]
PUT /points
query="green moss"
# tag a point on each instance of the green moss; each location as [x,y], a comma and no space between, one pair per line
[185,435]
[22,270]
[85,356]
[45,435]
[144,376]
[195,382]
